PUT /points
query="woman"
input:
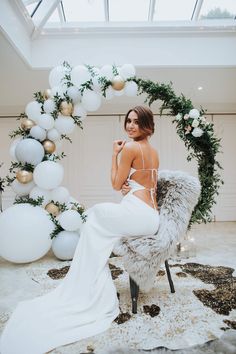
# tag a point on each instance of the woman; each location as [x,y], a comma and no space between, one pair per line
[85,303]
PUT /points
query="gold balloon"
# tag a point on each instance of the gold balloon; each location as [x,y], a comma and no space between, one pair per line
[24,176]
[66,108]
[118,83]
[49,146]
[52,209]
[47,94]
[26,124]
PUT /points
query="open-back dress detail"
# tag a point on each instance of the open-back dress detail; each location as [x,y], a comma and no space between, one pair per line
[137,186]
[85,302]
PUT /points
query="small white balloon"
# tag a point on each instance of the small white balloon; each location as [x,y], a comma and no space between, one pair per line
[74,93]
[49,106]
[48,174]
[40,192]
[57,90]
[96,83]
[53,134]
[109,93]
[65,125]
[56,75]
[131,88]
[22,189]
[91,100]
[46,121]
[25,233]
[64,245]
[79,75]
[38,133]
[70,204]
[60,194]
[127,70]
[79,111]
[33,110]
[107,71]
[70,220]
[29,150]
[119,93]
[13,147]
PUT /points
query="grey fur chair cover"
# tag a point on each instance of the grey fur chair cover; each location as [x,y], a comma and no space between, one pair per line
[178,193]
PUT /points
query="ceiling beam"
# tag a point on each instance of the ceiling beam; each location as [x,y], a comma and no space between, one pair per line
[197,9]
[152,5]
[106,10]
[42,14]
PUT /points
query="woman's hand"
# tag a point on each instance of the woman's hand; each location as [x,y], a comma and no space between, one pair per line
[118,146]
[125,188]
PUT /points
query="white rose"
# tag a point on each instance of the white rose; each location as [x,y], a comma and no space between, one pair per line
[186,116]
[197,132]
[179,116]
[203,119]
[195,123]
[194,113]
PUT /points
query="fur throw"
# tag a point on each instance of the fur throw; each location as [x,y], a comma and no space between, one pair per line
[178,193]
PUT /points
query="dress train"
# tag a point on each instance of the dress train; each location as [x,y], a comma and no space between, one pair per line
[85,302]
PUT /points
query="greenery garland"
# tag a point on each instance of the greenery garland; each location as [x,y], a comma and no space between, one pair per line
[203,148]
[191,126]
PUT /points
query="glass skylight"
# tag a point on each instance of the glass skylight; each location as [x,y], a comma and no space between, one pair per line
[218,9]
[74,12]
[169,10]
[128,10]
[84,10]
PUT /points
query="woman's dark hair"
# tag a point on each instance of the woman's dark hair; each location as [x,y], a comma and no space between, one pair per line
[145,119]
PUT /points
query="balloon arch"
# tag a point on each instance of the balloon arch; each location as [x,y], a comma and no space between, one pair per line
[53,115]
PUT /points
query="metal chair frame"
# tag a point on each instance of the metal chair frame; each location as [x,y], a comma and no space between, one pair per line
[134,288]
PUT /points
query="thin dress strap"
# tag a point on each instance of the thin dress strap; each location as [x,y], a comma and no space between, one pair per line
[154,188]
[141,153]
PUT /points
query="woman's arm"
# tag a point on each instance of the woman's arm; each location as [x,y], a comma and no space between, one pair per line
[119,173]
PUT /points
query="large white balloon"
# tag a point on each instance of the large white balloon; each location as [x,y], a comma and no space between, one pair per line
[107,71]
[46,121]
[109,93]
[29,150]
[127,70]
[48,174]
[13,147]
[39,192]
[58,90]
[25,233]
[79,75]
[91,100]
[131,88]
[49,106]
[60,194]
[38,133]
[56,75]
[22,189]
[70,220]
[53,134]
[74,93]
[64,245]
[79,111]
[33,110]
[65,125]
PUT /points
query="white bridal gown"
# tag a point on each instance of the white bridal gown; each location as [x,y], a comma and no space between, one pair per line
[85,302]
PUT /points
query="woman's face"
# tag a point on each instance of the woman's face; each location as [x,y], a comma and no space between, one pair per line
[132,126]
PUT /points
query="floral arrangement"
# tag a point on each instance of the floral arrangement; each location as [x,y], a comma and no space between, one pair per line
[75,91]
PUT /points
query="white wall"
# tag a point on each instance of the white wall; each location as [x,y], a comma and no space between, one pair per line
[87,165]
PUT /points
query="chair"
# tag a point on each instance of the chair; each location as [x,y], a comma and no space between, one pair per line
[178,193]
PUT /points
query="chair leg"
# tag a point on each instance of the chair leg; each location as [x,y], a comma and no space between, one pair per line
[134,291]
[172,289]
